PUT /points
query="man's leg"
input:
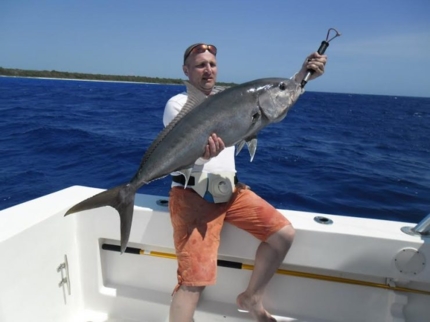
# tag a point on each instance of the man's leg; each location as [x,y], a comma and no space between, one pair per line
[269,257]
[256,216]
[184,303]
[196,229]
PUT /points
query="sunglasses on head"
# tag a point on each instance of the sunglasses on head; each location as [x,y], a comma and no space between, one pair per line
[200,48]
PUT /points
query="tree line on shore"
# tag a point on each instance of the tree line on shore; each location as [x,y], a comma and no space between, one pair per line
[14,72]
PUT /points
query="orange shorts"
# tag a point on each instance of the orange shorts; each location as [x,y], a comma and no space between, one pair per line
[197,226]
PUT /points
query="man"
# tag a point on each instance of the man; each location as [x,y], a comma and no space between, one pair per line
[197,221]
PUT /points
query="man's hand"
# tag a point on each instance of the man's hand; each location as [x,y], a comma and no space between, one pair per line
[315,62]
[214,147]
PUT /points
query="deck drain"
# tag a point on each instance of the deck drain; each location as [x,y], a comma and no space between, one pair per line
[323,220]
[163,202]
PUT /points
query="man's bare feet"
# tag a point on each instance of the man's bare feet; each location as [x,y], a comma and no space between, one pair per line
[254,307]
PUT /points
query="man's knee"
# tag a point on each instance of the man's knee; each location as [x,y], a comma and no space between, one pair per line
[289,232]
[283,238]
[192,289]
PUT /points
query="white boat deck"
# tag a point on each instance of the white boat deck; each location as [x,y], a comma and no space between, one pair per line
[355,270]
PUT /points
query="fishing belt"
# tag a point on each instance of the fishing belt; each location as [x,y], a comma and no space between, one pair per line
[219,186]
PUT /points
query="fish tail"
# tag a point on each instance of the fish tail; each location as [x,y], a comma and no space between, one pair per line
[121,198]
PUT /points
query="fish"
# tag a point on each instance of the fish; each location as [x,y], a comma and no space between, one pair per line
[236,114]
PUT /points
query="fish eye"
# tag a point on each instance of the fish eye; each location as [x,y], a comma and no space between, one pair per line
[282,86]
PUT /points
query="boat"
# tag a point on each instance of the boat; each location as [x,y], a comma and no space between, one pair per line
[56,268]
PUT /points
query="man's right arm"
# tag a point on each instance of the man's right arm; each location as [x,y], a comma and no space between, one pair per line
[173,107]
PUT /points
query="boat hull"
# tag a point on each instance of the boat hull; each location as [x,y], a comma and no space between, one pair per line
[353,269]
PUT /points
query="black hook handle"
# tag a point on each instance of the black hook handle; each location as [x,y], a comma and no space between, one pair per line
[324,45]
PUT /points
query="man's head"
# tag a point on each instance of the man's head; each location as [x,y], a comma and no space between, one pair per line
[200,66]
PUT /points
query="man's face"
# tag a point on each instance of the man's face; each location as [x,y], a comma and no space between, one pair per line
[201,70]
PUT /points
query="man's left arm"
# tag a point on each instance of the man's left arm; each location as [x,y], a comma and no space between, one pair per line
[315,62]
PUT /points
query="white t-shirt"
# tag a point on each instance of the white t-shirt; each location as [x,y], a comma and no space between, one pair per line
[223,162]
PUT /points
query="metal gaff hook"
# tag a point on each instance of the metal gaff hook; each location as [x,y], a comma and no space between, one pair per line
[328,34]
[321,50]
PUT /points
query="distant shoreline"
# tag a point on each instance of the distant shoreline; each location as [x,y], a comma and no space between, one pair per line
[8,72]
[53,74]
[90,80]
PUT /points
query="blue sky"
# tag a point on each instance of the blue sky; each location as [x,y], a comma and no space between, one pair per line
[383,49]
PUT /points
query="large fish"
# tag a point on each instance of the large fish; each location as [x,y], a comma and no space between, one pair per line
[236,115]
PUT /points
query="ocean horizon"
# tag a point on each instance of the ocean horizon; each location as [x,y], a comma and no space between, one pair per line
[346,154]
[118,81]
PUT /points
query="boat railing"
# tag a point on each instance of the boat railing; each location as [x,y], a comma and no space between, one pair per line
[421,229]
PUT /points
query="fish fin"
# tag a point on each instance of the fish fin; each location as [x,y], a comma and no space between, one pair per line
[121,198]
[195,97]
[252,147]
[187,174]
[251,144]
[239,147]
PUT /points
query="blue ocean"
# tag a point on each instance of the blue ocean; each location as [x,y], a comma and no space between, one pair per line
[344,154]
